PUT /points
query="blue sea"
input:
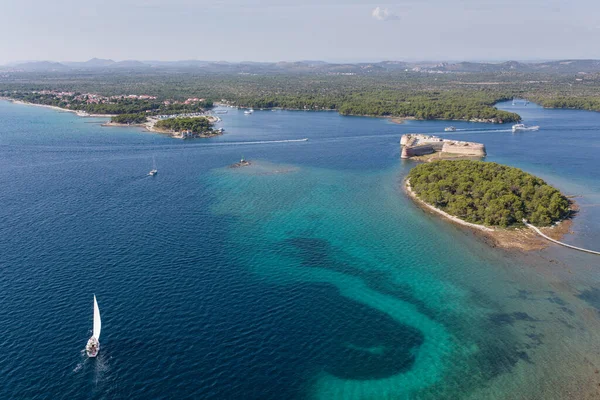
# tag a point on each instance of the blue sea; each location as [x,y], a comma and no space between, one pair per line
[308,275]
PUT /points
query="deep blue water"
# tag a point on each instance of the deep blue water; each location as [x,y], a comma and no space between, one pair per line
[307,275]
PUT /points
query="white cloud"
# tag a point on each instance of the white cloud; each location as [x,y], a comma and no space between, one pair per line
[383,14]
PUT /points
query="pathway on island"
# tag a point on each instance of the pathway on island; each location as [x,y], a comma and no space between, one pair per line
[557,242]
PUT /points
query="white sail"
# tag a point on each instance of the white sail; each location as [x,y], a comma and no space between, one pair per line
[97,321]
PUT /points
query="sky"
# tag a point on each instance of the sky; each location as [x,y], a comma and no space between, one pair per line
[329,30]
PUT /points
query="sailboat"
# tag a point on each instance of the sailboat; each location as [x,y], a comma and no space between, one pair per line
[154,170]
[93,345]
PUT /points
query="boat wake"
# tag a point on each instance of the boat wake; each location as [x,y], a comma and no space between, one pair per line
[254,142]
[467,131]
[78,367]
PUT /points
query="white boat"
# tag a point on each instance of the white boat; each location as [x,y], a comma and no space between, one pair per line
[524,128]
[450,129]
[93,345]
[154,171]
[250,111]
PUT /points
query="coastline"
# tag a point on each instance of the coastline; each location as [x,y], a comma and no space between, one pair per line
[391,118]
[150,127]
[79,113]
[398,120]
[523,239]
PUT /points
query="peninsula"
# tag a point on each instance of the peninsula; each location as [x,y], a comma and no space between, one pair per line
[185,127]
[182,119]
[492,198]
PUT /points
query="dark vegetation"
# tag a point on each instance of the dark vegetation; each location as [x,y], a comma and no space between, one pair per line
[488,193]
[138,118]
[80,102]
[364,91]
[198,125]
[583,102]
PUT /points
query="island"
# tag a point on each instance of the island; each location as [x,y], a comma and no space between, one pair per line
[493,198]
[426,147]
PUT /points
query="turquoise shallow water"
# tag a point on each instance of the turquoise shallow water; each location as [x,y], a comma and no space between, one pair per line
[308,275]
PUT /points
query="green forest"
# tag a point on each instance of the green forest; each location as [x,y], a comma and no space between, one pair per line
[116,106]
[197,125]
[461,96]
[138,118]
[488,193]
[578,102]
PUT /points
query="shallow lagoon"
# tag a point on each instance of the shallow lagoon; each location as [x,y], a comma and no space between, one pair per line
[307,275]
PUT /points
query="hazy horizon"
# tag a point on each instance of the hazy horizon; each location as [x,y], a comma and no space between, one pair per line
[328,30]
[330,61]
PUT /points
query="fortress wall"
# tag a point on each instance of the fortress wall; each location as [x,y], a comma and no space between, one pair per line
[414,145]
[464,148]
[413,151]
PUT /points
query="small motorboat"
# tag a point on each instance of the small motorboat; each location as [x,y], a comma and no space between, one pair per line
[93,345]
[450,129]
[248,112]
[154,171]
[524,128]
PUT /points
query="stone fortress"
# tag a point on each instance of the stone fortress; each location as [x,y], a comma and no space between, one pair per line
[415,144]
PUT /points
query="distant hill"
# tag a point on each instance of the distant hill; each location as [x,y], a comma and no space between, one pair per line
[129,64]
[40,66]
[177,64]
[93,63]
[320,67]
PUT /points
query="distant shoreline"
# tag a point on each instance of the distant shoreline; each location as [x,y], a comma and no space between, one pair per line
[79,113]
[523,239]
[149,126]
[392,118]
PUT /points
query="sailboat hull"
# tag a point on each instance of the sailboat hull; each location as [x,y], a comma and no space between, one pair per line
[93,347]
